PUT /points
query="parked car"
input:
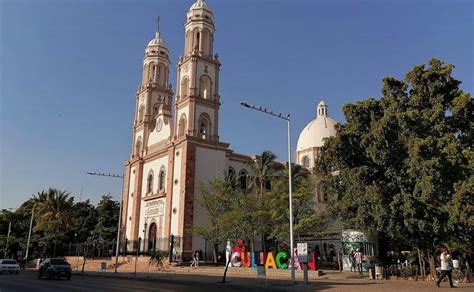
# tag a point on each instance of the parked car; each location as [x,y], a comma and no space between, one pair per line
[8,266]
[54,267]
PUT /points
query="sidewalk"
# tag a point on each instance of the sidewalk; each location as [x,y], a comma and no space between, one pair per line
[278,280]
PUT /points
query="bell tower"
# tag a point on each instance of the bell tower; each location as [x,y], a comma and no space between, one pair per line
[197,98]
[152,124]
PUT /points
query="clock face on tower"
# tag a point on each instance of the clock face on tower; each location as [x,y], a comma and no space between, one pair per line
[159,125]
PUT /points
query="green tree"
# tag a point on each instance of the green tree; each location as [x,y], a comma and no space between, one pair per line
[406,160]
[216,199]
[263,172]
[53,210]
[306,221]
[85,220]
[107,220]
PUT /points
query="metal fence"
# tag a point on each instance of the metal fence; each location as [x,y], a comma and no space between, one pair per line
[103,249]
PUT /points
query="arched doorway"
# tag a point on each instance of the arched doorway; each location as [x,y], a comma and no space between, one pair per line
[152,237]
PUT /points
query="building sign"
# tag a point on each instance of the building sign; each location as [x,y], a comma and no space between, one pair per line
[154,208]
[302,249]
[280,260]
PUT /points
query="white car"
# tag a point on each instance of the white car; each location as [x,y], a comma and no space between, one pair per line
[9,267]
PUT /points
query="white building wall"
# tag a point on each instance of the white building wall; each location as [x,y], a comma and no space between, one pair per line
[154,165]
[130,203]
[162,135]
[176,192]
[210,164]
[201,70]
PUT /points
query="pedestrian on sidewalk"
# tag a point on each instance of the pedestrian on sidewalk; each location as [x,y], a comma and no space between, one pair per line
[358,260]
[445,268]
[195,259]
[352,261]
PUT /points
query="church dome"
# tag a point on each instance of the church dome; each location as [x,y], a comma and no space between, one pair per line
[317,130]
[157,41]
[156,46]
[199,4]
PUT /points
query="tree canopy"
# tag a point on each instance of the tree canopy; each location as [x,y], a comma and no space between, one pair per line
[406,160]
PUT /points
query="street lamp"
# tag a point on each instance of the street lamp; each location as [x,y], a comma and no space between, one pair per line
[29,233]
[120,212]
[8,235]
[286,118]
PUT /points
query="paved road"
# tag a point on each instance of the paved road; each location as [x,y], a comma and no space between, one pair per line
[27,281]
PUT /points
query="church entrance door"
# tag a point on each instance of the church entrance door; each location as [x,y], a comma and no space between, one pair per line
[152,237]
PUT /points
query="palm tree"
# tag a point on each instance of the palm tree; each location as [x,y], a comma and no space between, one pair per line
[263,170]
[54,208]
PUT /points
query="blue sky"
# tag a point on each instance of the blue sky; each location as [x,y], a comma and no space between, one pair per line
[69,71]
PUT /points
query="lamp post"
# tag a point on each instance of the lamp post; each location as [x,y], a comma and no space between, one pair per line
[8,234]
[120,212]
[286,118]
[29,233]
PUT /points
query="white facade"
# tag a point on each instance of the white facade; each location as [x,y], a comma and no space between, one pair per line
[171,154]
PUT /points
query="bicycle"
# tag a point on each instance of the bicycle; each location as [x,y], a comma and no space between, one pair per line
[408,271]
[457,275]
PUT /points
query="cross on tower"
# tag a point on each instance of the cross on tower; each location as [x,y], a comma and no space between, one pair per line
[158,24]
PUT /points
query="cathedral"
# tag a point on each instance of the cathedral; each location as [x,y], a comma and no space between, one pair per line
[176,141]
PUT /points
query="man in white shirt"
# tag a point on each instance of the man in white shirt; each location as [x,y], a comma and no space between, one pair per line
[358,260]
[445,268]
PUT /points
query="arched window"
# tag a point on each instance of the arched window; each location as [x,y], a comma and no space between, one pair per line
[268,185]
[138,146]
[204,126]
[149,183]
[182,125]
[205,42]
[161,75]
[231,172]
[197,39]
[243,179]
[141,113]
[184,87]
[162,180]
[152,76]
[189,41]
[305,161]
[205,87]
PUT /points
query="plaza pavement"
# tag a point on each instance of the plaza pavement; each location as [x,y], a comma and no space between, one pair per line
[277,280]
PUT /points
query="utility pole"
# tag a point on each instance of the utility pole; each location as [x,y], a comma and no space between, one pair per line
[8,238]
[286,118]
[120,212]
[29,233]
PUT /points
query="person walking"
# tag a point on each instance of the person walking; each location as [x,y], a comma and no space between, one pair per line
[445,268]
[358,260]
[352,261]
[194,261]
